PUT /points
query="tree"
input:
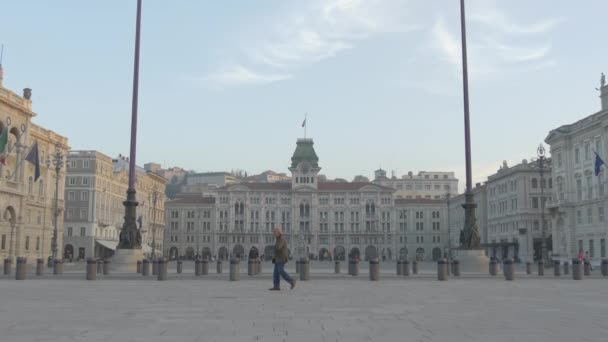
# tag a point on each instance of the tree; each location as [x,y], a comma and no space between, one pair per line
[360,178]
[321,178]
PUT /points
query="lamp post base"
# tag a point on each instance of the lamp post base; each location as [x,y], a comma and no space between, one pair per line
[472,260]
[125,260]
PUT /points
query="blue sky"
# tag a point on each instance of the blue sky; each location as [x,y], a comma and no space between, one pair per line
[225,84]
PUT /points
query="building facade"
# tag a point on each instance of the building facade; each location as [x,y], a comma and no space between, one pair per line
[320,219]
[28,205]
[578,211]
[515,201]
[427,185]
[95,191]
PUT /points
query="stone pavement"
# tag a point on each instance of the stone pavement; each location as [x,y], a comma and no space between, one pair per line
[475,308]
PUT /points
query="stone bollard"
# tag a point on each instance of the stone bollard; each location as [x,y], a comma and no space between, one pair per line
[414,267]
[145,268]
[197,267]
[508,269]
[528,267]
[58,266]
[106,267]
[541,268]
[605,267]
[406,268]
[8,262]
[99,266]
[442,270]
[218,267]
[180,266]
[399,267]
[304,269]
[577,269]
[154,266]
[586,268]
[21,268]
[139,262]
[354,263]
[91,269]
[235,270]
[205,266]
[337,267]
[557,270]
[566,268]
[374,269]
[493,267]
[250,267]
[350,266]
[297,266]
[456,268]
[161,269]
[40,267]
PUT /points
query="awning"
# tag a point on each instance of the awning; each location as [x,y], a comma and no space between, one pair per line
[107,243]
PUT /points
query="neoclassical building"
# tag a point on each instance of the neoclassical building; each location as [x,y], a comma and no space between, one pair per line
[320,219]
[27,205]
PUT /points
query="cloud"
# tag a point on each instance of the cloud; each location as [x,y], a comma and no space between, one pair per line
[320,30]
[494,19]
[447,43]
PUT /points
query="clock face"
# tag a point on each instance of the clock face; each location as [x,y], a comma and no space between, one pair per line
[305,168]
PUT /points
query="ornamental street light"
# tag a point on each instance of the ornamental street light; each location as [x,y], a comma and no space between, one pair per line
[541,153]
[57,160]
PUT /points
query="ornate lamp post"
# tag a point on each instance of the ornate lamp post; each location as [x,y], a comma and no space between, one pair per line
[541,153]
[57,160]
[154,199]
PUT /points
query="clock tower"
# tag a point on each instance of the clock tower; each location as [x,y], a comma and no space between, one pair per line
[304,165]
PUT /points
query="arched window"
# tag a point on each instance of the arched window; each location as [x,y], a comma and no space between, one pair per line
[41,188]
[534,183]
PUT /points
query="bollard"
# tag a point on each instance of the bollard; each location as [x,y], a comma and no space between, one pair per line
[566,268]
[374,269]
[99,266]
[442,270]
[557,271]
[508,269]
[161,269]
[337,267]
[204,266]
[91,269]
[414,267]
[250,267]
[605,267]
[541,268]
[180,266]
[21,268]
[297,266]
[40,267]
[7,266]
[145,270]
[493,267]
[139,262]
[197,267]
[528,267]
[304,269]
[154,266]
[58,266]
[350,266]
[399,267]
[234,269]
[577,269]
[406,268]
[586,268]
[355,267]
[456,268]
[106,267]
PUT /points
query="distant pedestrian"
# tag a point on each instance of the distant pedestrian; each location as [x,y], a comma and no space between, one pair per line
[580,255]
[588,259]
[279,260]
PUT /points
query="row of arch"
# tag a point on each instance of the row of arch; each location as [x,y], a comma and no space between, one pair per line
[339,253]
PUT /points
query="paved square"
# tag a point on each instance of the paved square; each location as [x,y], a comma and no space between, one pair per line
[323,309]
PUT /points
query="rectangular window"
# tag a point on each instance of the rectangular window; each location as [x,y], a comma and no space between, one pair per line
[3,242]
[600,214]
[27,243]
[591,248]
[83,213]
[38,243]
[580,245]
[83,231]
[85,164]
[577,155]
[587,151]
[602,248]
[579,189]
[85,180]
[579,217]
[535,202]
[559,160]
[589,215]
[69,231]
[71,195]
[84,196]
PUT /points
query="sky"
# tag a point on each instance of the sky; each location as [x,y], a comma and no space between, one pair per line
[226,84]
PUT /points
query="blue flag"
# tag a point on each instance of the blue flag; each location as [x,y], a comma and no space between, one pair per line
[598,164]
[33,158]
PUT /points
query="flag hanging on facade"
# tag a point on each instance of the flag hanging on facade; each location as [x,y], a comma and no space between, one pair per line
[33,158]
[4,145]
[598,164]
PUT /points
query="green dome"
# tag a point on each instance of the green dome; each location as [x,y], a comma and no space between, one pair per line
[305,152]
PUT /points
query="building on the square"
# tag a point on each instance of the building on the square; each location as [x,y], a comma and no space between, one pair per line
[456,215]
[428,185]
[514,203]
[268,176]
[96,187]
[27,206]
[580,200]
[321,219]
